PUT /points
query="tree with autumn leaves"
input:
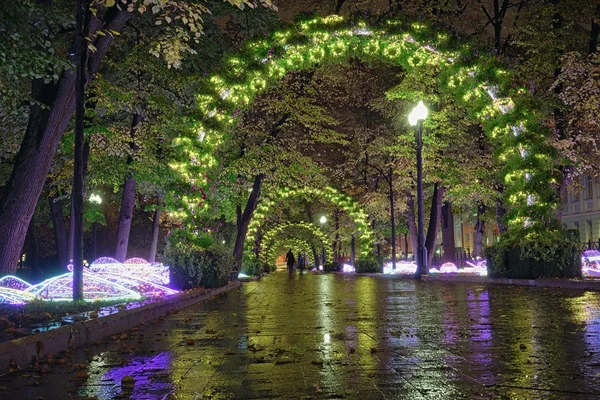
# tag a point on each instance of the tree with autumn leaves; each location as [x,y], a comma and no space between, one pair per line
[511,27]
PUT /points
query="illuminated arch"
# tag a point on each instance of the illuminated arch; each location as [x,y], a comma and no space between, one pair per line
[270,238]
[470,78]
[297,246]
[345,203]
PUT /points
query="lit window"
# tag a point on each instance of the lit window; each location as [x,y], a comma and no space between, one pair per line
[589,187]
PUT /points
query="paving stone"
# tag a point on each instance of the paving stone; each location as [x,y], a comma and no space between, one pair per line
[330,336]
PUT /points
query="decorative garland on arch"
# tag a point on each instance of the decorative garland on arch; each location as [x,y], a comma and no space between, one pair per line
[473,79]
[270,238]
[345,203]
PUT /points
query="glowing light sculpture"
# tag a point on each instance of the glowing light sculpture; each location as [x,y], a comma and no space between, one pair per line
[60,288]
[448,268]
[12,282]
[402,268]
[15,296]
[348,268]
[144,287]
[136,268]
[590,263]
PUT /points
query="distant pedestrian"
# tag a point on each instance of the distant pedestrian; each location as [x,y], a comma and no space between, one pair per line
[300,262]
[290,260]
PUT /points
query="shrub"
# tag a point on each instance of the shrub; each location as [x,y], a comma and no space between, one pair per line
[531,255]
[216,264]
[368,264]
[332,266]
[250,265]
[183,260]
[193,266]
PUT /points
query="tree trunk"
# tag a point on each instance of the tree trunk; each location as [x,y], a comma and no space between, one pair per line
[392,219]
[60,234]
[33,250]
[48,118]
[127,199]
[338,6]
[434,219]
[315,256]
[352,250]
[500,214]
[593,46]
[155,229]
[71,237]
[479,231]
[336,244]
[448,233]
[125,217]
[257,242]
[412,225]
[244,220]
[78,193]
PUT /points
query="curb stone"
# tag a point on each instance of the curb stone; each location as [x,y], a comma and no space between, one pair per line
[549,283]
[23,351]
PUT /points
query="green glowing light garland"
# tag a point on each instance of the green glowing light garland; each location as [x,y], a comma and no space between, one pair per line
[270,240]
[471,78]
[283,245]
[328,194]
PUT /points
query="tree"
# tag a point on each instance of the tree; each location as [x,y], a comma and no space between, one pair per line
[53,104]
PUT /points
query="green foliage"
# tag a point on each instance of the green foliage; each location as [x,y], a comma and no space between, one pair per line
[535,254]
[192,266]
[250,265]
[332,266]
[368,264]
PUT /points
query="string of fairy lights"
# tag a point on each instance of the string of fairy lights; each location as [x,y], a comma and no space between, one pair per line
[329,195]
[471,77]
[271,243]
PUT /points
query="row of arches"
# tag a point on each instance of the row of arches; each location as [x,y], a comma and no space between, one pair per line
[475,81]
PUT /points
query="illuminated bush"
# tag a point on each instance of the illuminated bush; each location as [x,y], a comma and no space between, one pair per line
[531,255]
[368,264]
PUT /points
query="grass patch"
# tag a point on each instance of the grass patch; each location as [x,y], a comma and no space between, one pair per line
[35,312]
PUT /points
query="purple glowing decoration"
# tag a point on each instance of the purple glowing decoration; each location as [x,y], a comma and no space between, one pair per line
[136,268]
[12,282]
[590,263]
[146,288]
[60,288]
[106,279]
[448,268]
[15,296]
[402,268]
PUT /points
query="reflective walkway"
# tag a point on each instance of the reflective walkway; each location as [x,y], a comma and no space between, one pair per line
[335,336]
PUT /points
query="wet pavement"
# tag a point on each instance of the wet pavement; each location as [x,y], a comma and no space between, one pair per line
[330,336]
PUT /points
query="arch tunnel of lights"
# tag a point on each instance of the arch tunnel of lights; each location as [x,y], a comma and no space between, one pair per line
[274,245]
[329,195]
[468,76]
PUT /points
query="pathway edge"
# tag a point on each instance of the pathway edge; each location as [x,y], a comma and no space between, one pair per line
[550,283]
[23,351]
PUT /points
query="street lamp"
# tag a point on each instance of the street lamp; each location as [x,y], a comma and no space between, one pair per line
[416,118]
[323,220]
[94,198]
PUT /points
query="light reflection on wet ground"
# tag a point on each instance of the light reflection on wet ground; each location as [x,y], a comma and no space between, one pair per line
[336,336]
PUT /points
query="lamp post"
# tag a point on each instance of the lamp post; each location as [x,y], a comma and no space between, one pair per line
[322,220]
[96,199]
[416,118]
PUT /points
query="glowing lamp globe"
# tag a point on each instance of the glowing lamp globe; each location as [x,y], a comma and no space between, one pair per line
[419,113]
[94,198]
[323,219]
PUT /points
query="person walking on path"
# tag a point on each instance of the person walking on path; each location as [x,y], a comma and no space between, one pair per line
[300,262]
[289,258]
